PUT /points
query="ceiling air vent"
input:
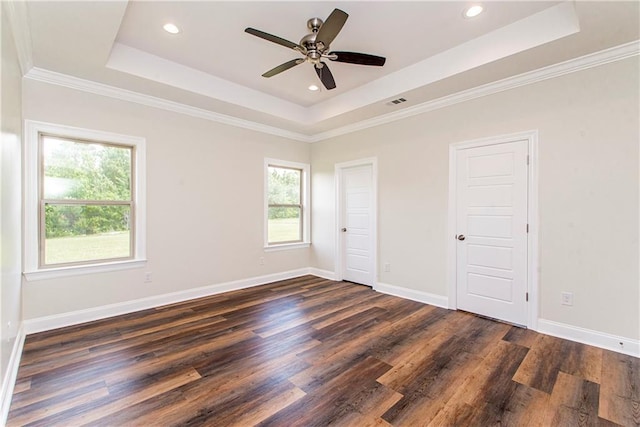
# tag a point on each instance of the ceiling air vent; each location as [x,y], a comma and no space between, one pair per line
[396,101]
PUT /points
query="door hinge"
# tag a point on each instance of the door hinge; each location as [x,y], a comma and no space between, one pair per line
[527,228]
[527,296]
[527,159]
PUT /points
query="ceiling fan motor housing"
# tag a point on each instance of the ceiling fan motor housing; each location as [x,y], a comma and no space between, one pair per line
[308,41]
[313,51]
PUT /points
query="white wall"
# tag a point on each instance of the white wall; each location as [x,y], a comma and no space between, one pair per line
[10,197]
[203,230]
[588,191]
[204,201]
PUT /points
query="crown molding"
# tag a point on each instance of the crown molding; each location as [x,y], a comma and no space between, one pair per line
[18,19]
[71,82]
[596,59]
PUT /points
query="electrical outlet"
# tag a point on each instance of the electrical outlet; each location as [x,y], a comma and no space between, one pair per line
[147,277]
[387,267]
[261,260]
[567,298]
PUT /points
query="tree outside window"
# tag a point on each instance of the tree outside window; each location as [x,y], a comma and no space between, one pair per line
[285,205]
[86,206]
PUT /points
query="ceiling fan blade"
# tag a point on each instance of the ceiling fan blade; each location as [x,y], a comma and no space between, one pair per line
[331,27]
[359,58]
[325,76]
[283,67]
[273,39]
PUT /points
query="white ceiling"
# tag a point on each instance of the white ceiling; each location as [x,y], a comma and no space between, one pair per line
[213,65]
[213,41]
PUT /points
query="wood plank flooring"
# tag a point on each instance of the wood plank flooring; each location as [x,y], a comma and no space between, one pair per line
[312,352]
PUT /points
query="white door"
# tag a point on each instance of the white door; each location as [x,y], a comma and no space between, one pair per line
[356,224]
[491,227]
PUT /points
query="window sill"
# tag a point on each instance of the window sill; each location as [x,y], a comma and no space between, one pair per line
[286,246]
[77,270]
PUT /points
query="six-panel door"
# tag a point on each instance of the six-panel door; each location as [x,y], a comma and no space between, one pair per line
[491,223]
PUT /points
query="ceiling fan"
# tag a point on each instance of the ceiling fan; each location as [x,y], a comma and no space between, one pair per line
[314,47]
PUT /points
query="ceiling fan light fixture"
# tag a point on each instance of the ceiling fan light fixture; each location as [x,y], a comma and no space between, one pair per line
[313,88]
[171,28]
[473,11]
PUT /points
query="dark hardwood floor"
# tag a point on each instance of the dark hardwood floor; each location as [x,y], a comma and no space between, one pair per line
[311,352]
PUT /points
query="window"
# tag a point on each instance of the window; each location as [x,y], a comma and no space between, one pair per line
[286,204]
[84,201]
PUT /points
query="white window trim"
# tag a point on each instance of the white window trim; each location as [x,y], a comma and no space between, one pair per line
[306,224]
[33,129]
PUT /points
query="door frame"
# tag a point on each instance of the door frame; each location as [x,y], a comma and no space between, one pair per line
[531,137]
[339,180]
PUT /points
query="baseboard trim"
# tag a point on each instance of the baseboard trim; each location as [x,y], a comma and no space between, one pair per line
[420,296]
[46,323]
[615,343]
[9,381]
[325,274]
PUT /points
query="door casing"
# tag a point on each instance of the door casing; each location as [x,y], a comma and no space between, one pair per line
[532,214]
[339,260]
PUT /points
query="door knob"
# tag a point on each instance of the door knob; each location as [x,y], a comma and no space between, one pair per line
[461,237]
[344,230]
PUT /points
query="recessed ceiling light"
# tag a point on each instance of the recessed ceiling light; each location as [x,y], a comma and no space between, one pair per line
[171,28]
[472,11]
[313,88]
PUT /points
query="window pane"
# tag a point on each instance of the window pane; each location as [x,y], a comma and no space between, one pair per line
[284,225]
[85,171]
[284,186]
[85,233]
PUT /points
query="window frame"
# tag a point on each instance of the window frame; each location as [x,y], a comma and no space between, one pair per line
[43,202]
[34,267]
[304,168]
